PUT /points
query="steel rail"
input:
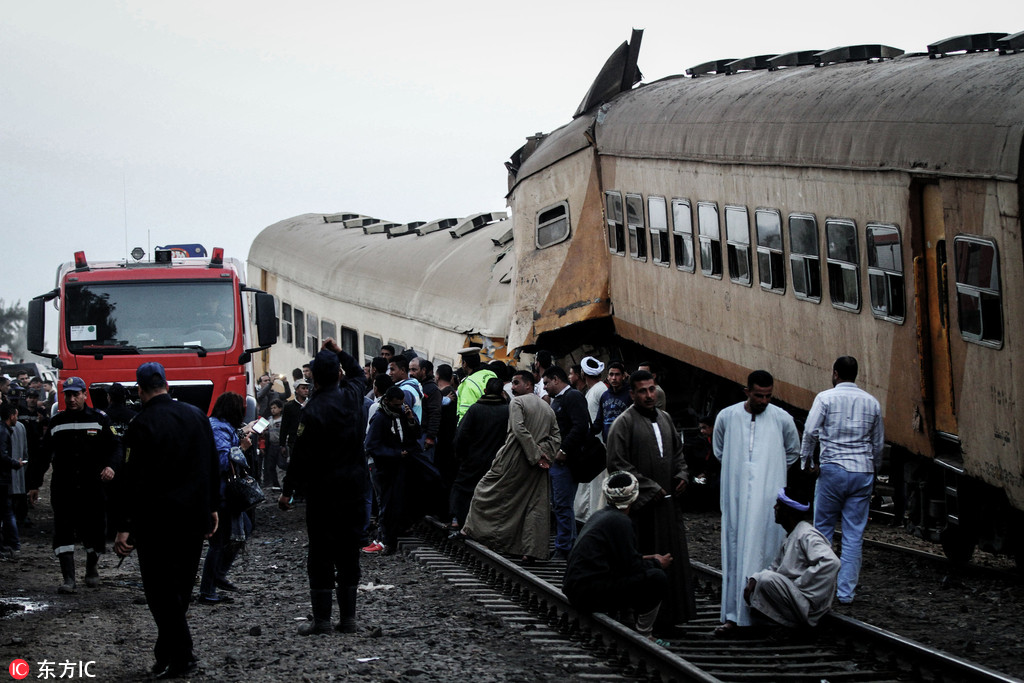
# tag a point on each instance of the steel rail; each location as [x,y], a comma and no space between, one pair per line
[861,636]
[598,631]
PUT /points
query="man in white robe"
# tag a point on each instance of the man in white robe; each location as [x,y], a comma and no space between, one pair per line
[797,589]
[590,497]
[756,442]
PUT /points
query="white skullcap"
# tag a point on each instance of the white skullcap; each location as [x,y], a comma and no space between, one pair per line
[592,366]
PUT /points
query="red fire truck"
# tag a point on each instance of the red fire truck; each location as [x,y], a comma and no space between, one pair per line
[190,314]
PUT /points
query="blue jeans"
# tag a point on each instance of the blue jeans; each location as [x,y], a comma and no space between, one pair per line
[563,493]
[847,494]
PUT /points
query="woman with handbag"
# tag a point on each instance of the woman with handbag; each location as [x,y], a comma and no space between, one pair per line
[226,421]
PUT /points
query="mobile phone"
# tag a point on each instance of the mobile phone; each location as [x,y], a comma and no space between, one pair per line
[260,425]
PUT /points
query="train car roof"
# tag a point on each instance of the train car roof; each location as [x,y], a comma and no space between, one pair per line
[462,284]
[959,115]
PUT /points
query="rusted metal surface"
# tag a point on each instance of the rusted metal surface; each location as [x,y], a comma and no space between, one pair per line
[958,116]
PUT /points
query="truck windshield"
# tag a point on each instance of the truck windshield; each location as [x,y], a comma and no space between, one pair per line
[149,317]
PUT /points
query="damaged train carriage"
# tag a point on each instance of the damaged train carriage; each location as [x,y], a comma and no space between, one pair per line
[856,201]
[434,287]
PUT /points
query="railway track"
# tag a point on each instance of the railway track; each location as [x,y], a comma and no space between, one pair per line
[596,647]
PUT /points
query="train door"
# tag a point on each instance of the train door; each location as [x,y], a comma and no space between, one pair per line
[931,271]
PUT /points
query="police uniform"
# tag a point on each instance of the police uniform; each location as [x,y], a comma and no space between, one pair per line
[80,445]
[166,491]
[328,465]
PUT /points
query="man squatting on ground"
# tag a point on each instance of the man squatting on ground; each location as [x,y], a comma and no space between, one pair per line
[605,571]
[797,589]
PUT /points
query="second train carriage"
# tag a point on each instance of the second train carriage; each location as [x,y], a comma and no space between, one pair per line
[857,201]
[434,287]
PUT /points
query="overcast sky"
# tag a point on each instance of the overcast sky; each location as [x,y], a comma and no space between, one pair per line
[129,124]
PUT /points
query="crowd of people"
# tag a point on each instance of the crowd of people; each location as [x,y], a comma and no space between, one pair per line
[492,450]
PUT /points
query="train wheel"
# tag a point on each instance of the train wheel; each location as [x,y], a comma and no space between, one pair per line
[958,544]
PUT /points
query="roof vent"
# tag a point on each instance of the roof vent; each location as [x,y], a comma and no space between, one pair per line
[719,66]
[801,58]
[857,53]
[407,229]
[434,226]
[475,222]
[504,239]
[1011,44]
[749,64]
[340,217]
[359,222]
[378,227]
[978,42]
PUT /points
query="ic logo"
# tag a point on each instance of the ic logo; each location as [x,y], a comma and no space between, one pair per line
[19,669]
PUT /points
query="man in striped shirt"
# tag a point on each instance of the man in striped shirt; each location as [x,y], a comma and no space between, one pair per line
[847,423]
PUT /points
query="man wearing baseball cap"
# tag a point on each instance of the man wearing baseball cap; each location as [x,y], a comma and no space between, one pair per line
[84,451]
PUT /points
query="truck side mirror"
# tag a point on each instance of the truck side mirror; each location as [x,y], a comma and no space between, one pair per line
[36,331]
[266,320]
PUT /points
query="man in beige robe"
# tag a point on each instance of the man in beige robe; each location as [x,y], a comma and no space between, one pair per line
[511,507]
[797,589]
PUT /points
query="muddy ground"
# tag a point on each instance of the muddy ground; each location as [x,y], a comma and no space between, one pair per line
[413,625]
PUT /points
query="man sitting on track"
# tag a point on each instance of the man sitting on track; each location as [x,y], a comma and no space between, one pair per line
[606,571]
[797,589]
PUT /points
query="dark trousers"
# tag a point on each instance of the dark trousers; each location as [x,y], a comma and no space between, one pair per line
[640,592]
[220,555]
[168,562]
[8,525]
[391,517]
[335,526]
[79,511]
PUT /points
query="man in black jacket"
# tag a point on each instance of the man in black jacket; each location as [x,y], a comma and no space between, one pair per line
[167,498]
[327,462]
[606,571]
[573,418]
[84,451]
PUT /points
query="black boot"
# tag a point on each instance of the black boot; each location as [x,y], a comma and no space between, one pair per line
[92,575]
[67,569]
[321,600]
[346,609]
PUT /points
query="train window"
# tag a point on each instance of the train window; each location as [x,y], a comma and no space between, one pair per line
[737,239]
[300,328]
[350,341]
[843,264]
[770,262]
[710,239]
[616,227]
[885,273]
[399,346]
[682,232]
[552,225]
[371,346]
[312,341]
[286,323]
[328,330]
[657,214]
[804,257]
[637,229]
[978,296]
